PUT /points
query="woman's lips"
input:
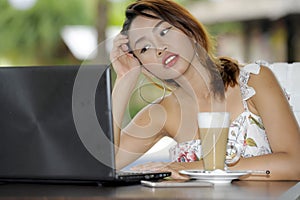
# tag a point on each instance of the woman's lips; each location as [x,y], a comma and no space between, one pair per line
[170,60]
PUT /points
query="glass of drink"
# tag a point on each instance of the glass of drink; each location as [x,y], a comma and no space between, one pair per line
[214,128]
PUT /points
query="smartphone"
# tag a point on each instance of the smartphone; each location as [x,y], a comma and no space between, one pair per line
[175,183]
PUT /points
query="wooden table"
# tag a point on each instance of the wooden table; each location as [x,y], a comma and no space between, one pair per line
[236,190]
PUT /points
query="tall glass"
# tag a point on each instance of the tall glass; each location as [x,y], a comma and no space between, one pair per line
[214,127]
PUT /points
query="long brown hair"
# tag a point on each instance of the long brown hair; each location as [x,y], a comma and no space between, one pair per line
[223,70]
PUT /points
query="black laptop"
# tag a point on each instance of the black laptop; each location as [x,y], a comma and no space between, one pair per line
[56,126]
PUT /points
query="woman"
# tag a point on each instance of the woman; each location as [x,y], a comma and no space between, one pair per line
[163,40]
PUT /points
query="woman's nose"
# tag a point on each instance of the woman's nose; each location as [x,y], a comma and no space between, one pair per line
[161,50]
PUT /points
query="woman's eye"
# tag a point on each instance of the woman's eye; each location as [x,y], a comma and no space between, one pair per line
[165,31]
[143,50]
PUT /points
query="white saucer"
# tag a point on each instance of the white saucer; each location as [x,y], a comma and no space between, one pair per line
[216,176]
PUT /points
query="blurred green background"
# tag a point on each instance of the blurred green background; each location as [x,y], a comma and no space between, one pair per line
[32,36]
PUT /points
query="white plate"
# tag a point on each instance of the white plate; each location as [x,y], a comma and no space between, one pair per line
[216,176]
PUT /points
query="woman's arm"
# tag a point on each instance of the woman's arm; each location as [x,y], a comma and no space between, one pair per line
[281,128]
[147,127]
[122,91]
[127,69]
[141,134]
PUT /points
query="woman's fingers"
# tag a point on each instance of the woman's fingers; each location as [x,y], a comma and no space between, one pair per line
[120,47]
[124,47]
[161,166]
[174,168]
[121,59]
[121,41]
[175,174]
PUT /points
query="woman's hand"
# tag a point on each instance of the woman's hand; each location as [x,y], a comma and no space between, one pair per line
[173,167]
[122,60]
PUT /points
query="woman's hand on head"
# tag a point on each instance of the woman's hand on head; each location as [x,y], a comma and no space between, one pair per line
[122,60]
[173,167]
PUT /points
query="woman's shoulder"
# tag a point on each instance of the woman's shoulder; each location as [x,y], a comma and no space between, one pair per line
[258,73]
[257,79]
[267,89]
[264,78]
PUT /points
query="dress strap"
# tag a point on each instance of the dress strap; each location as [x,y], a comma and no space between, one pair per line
[247,91]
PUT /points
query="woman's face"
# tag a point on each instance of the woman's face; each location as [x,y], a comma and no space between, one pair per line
[163,49]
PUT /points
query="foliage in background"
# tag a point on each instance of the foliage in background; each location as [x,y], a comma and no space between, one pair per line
[117,11]
[116,15]
[33,35]
[223,28]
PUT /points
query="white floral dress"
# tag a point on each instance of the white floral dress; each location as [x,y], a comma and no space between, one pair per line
[246,132]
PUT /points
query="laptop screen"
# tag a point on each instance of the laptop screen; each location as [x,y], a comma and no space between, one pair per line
[55,123]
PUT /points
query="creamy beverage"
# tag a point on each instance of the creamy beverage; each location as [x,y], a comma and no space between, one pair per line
[214,143]
[214,128]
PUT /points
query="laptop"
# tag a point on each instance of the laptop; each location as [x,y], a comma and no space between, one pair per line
[56,126]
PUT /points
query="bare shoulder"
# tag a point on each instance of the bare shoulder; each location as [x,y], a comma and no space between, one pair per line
[268,92]
[264,81]
[265,75]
